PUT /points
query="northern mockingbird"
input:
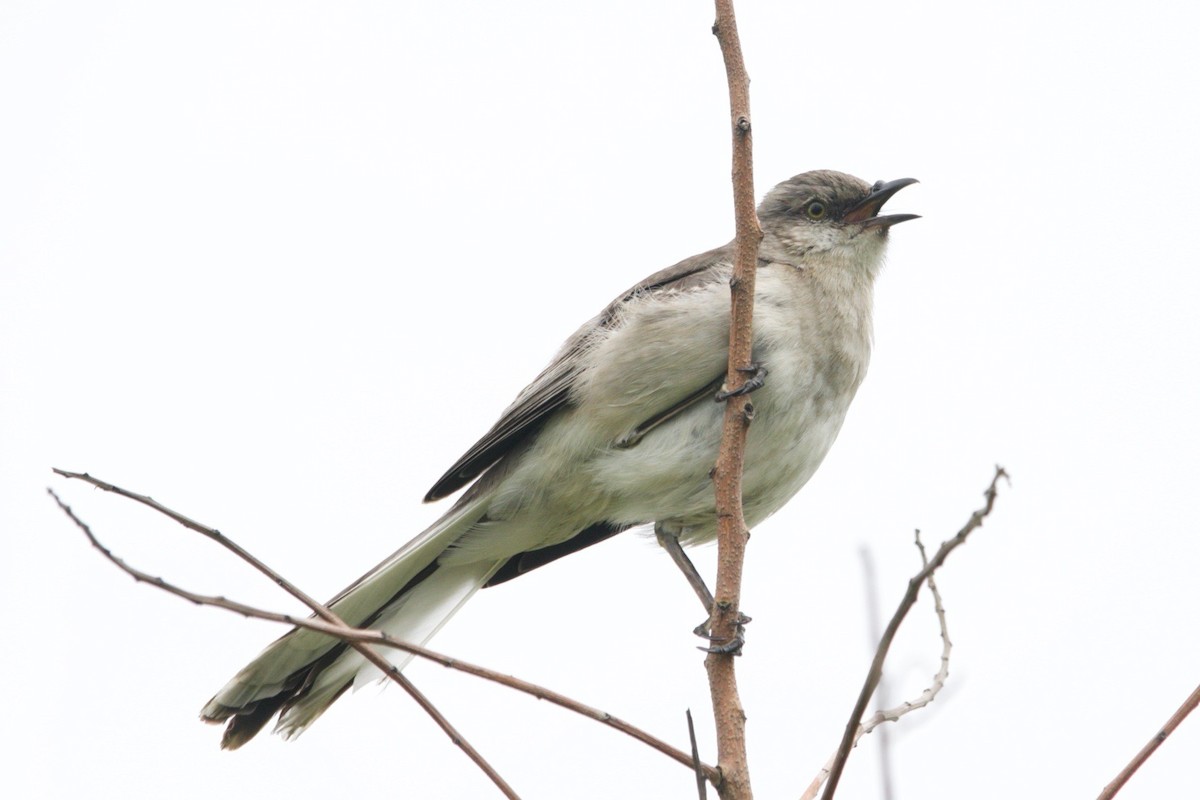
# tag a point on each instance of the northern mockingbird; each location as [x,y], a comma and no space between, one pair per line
[620,430]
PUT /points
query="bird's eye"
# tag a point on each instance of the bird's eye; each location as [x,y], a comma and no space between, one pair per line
[815,210]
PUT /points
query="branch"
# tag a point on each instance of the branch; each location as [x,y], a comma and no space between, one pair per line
[701,786]
[906,603]
[1189,705]
[334,625]
[356,635]
[732,534]
[894,714]
[875,625]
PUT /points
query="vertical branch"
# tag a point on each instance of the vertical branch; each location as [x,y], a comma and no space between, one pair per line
[727,474]
[871,588]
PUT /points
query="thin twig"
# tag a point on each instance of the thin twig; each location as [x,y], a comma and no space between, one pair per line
[320,610]
[211,533]
[358,635]
[883,740]
[1189,705]
[894,714]
[701,784]
[732,534]
[906,603]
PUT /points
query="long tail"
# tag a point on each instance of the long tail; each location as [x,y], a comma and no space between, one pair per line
[302,673]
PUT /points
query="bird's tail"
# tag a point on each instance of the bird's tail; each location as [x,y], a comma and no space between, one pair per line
[409,596]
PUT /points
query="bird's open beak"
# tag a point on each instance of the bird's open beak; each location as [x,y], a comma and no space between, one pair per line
[867,210]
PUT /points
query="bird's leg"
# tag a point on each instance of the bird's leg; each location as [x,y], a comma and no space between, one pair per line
[670,543]
[757,379]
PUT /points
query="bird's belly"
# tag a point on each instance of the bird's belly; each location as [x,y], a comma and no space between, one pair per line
[666,477]
[577,476]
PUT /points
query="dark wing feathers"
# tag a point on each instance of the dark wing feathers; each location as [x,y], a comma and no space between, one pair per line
[550,391]
[525,416]
[530,560]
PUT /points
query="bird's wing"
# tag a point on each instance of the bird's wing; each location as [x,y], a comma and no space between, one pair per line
[550,391]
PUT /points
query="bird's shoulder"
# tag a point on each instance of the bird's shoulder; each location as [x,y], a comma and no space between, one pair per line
[699,271]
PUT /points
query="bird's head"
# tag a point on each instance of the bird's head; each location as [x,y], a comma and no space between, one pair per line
[830,212]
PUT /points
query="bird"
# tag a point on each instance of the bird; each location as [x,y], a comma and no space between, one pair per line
[620,430]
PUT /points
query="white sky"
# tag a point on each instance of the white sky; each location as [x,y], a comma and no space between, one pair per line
[278,264]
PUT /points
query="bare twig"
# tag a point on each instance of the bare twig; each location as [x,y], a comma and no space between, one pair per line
[894,714]
[906,603]
[211,533]
[727,474]
[1189,705]
[701,784]
[875,625]
[336,626]
[361,636]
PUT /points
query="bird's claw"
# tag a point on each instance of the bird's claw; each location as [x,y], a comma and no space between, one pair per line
[733,646]
[758,379]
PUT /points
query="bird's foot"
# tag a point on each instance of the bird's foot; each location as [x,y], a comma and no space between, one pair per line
[732,646]
[757,379]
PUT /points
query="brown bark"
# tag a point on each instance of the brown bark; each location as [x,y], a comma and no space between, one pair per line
[727,474]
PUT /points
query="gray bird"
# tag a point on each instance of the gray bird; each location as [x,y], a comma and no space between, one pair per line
[620,430]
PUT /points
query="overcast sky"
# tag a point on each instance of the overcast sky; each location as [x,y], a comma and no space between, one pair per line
[278,264]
